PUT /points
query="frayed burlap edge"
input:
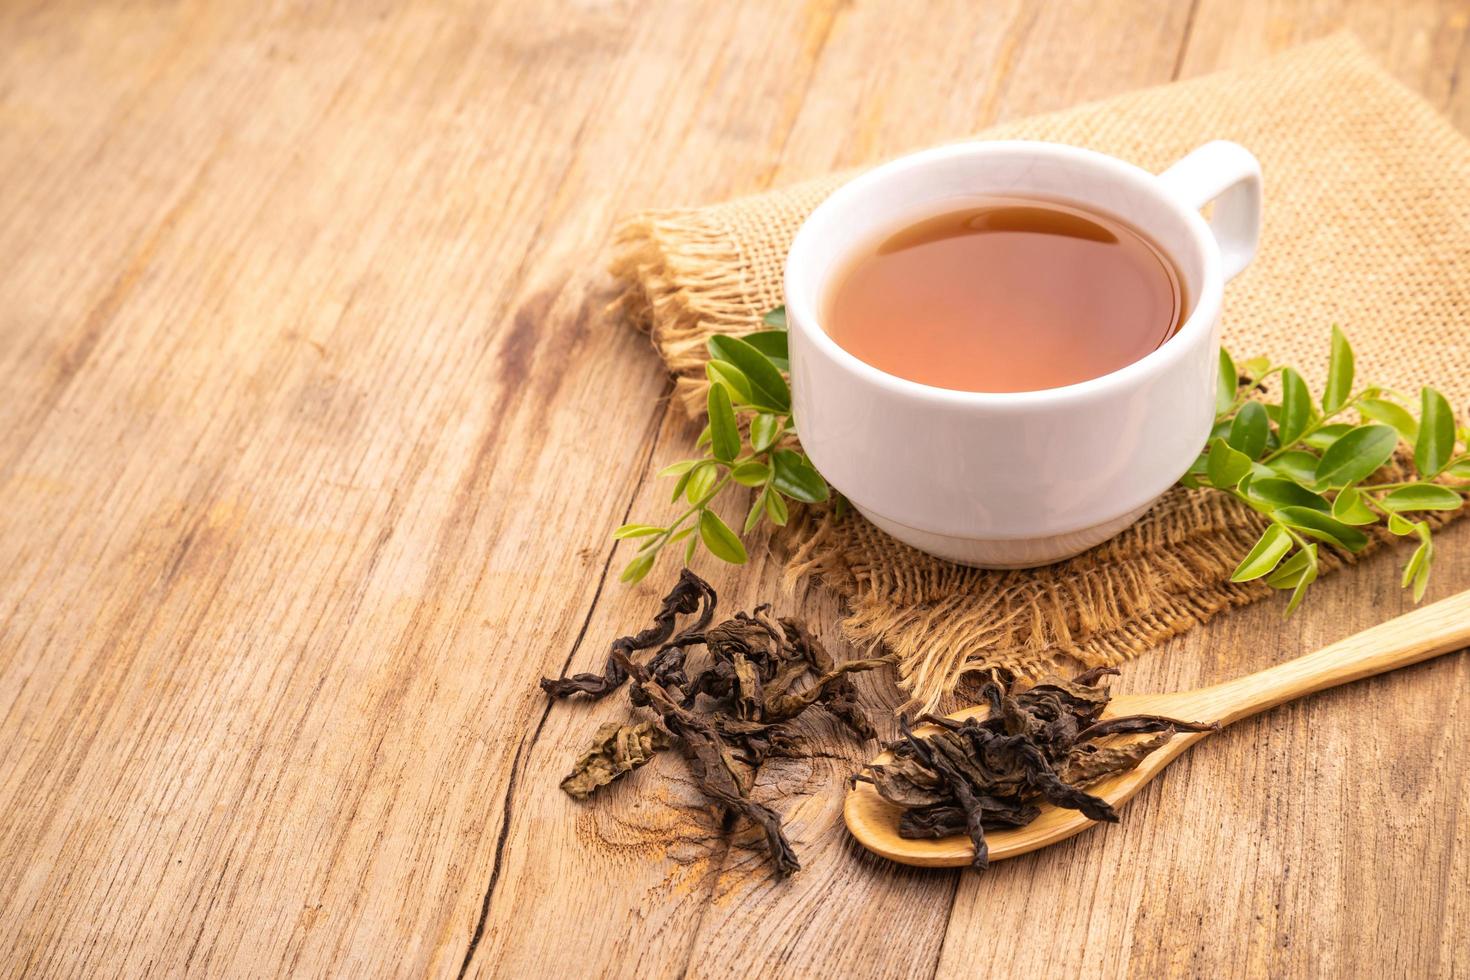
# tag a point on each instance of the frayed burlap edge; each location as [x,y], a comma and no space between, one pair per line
[682,281]
[684,278]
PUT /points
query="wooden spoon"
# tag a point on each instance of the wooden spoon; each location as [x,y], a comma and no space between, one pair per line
[1427,632]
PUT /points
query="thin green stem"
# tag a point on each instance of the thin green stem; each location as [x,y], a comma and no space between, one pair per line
[1317,426]
[1295,536]
[1458,487]
[657,542]
[1244,392]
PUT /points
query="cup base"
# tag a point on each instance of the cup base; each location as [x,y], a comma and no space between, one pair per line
[1006,553]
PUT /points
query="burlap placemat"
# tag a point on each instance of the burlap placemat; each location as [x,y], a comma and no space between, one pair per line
[1367,225]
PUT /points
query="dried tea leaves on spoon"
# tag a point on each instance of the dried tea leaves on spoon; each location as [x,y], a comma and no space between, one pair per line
[1037,745]
[752,675]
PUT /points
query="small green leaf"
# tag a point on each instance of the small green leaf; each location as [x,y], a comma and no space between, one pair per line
[635,531]
[1416,572]
[701,481]
[1319,525]
[679,469]
[757,508]
[1460,470]
[1299,572]
[1300,592]
[1339,373]
[1266,555]
[1436,442]
[1350,509]
[1249,430]
[727,374]
[1296,465]
[1256,367]
[1324,437]
[776,508]
[1296,407]
[1286,493]
[683,482]
[751,473]
[704,438]
[724,434]
[767,387]
[1289,574]
[1229,381]
[1356,455]
[764,431]
[1399,525]
[1422,496]
[775,318]
[1225,466]
[689,550]
[771,343]
[719,539]
[638,567]
[1391,413]
[796,478]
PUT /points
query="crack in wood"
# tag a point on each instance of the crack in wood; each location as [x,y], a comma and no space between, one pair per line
[1184,40]
[507,808]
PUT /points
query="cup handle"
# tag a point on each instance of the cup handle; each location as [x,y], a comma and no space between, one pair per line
[1228,174]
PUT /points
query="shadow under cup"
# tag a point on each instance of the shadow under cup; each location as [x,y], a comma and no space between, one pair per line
[1012,479]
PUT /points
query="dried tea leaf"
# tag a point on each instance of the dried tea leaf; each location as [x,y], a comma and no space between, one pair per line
[748,688]
[906,783]
[615,750]
[784,706]
[1143,725]
[691,594]
[1086,764]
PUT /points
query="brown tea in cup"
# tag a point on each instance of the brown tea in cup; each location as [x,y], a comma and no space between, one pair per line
[1006,294]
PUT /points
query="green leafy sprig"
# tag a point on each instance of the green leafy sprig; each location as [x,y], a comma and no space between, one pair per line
[1310,465]
[749,442]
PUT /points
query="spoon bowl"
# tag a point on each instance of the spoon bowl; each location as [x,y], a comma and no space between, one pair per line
[1419,635]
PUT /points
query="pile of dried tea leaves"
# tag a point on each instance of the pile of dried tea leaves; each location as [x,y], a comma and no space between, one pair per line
[1040,744]
[755,674]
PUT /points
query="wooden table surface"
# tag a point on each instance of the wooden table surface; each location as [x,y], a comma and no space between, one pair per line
[313,430]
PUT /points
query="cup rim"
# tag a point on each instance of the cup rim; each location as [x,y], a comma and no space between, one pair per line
[801,303]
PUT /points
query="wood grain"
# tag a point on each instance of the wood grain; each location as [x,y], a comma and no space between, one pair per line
[313,427]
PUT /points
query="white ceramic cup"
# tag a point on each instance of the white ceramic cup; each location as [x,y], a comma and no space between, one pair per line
[1024,478]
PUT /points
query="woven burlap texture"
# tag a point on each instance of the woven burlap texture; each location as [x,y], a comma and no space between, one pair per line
[1367,225]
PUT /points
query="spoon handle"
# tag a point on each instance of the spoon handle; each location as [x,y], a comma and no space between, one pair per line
[1419,635]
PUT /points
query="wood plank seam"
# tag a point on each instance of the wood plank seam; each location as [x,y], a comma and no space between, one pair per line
[1184,40]
[507,806]
[658,419]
